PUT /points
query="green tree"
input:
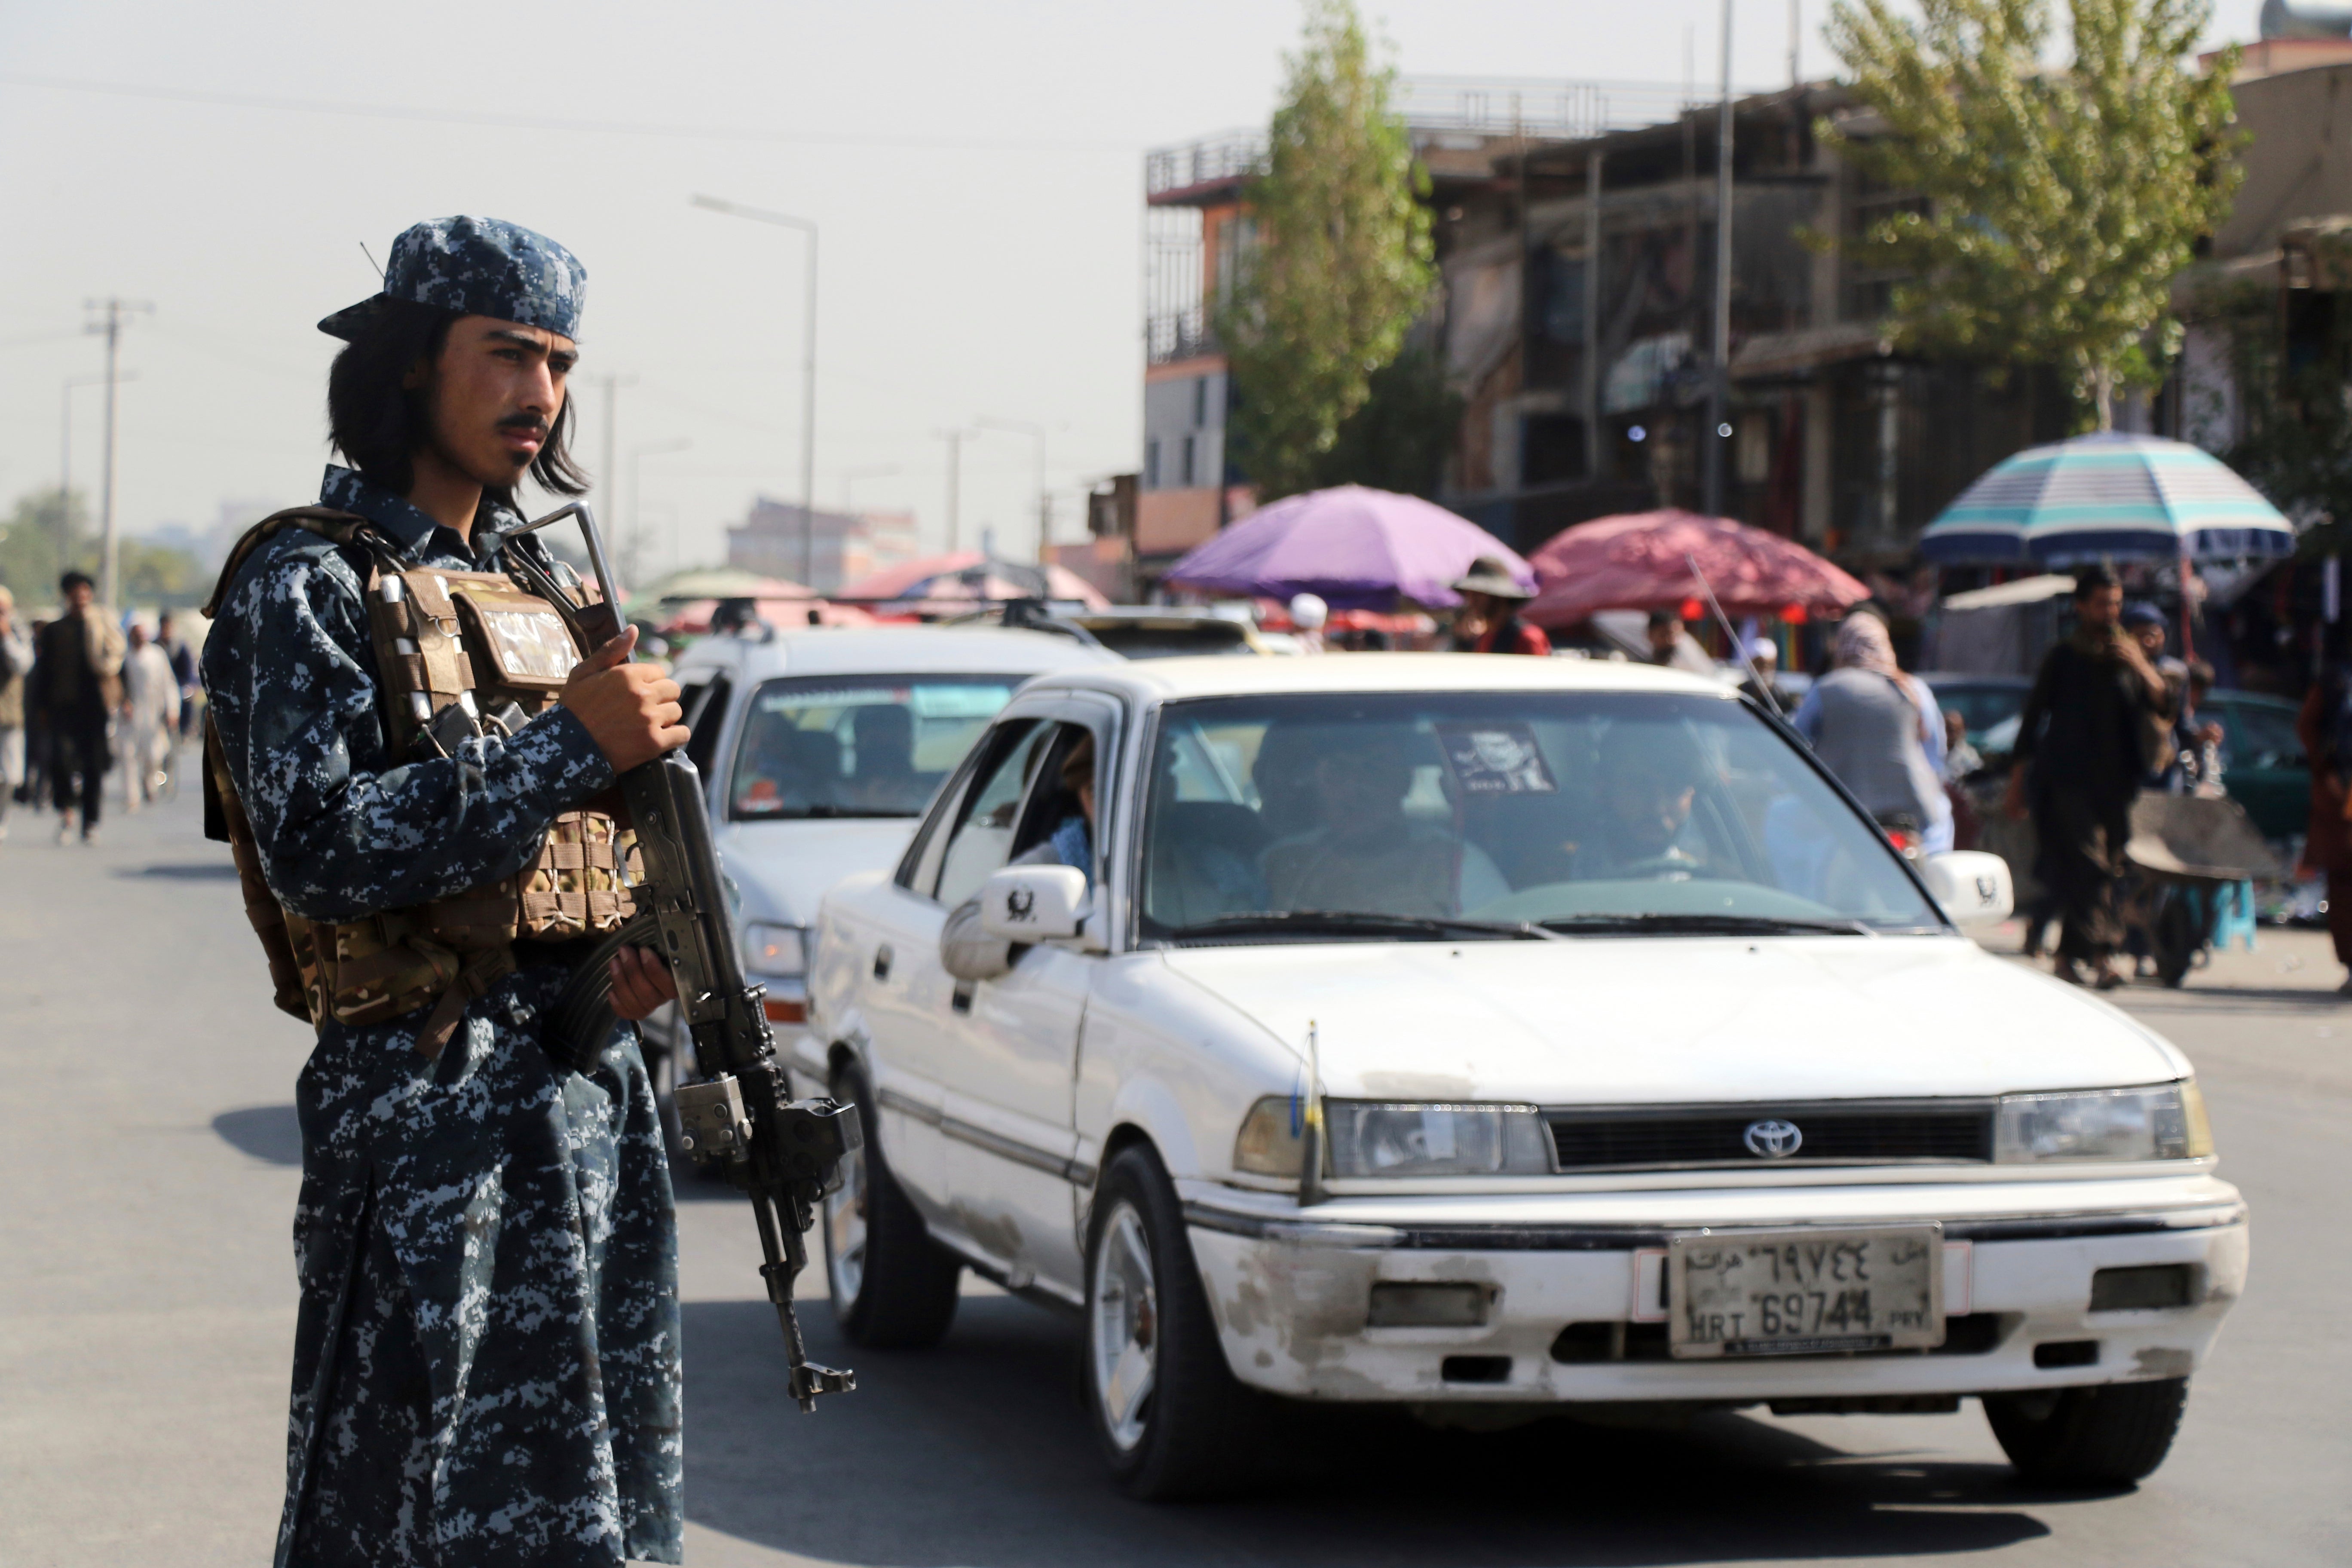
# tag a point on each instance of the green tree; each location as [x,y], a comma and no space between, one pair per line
[1341,266]
[1399,439]
[2057,206]
[35,551]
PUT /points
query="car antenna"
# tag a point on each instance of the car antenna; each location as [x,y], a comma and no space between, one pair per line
[1310,1138]
[1732,637]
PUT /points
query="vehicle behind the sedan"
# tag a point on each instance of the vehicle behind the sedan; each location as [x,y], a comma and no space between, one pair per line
[818,751]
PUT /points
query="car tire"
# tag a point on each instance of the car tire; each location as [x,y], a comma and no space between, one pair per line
[2112,1435]
[893,1287]
[1170,1416]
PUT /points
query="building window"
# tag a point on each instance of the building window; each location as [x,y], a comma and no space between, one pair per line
[1200,402]
[1151,465]
[1188,461]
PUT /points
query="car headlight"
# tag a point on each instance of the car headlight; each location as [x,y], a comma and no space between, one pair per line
[778,952]
[2161,1122]
[1370,1138]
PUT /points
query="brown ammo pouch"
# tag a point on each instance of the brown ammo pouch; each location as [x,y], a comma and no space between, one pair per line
[456,654]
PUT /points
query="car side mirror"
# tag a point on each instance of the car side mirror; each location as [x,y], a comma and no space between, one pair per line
[1034,903]
[1973,887]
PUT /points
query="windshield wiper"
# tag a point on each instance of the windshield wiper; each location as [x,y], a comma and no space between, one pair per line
[1357,923]
[1706,925]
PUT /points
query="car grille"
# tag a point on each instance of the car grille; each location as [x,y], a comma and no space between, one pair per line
[1837,1133]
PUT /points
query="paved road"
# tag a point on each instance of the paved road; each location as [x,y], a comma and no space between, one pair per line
[146,1310]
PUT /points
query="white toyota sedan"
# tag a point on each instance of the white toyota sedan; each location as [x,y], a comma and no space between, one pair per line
[1494,1037]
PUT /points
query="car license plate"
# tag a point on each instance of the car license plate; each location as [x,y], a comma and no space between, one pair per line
[1806,1292]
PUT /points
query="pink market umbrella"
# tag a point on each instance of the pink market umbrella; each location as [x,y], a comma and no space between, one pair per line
[1643,561]
[1354,548]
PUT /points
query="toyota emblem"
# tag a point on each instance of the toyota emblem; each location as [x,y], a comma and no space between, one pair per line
[1772,1139]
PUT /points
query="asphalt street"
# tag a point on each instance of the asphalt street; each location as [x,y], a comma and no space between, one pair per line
[148,1149]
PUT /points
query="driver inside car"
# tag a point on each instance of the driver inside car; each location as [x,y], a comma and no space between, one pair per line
[966,949]
[1364,853]
[1646,789]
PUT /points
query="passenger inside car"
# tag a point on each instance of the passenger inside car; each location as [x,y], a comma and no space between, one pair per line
[1361,851]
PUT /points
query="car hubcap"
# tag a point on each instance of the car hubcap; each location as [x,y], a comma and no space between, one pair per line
[1124,1328]
[845,1232]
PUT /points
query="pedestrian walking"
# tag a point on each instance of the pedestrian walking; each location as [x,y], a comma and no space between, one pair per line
[184,669]
[486,1362]
[151,712]
[16,664]
[1488,620]
[81,657]
[1879,732]
[2081,755]
[1673,647]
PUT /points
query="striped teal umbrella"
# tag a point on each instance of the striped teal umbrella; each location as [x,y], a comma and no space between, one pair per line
[2108,495]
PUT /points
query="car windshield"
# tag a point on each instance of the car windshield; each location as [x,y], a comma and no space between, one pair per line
[1317,816]
[871,745]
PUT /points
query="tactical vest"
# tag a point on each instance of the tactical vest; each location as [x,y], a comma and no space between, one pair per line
[456,654]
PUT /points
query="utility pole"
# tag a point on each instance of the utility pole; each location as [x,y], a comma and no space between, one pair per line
[1592,305]
[1036,432]
[955,440]
[608,478]
[116,310]
[1718,384]
[1796,42]
[73,383]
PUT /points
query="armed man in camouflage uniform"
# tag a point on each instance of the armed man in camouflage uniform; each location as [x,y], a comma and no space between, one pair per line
[486,1358]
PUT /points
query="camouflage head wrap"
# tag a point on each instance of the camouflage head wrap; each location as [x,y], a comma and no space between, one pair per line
[477,267]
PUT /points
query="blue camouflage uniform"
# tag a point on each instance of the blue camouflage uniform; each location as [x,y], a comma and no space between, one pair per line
[486,1365]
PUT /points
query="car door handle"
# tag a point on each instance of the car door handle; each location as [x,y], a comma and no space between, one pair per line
[882,962]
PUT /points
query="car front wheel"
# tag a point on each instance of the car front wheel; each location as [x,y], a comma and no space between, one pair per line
[1169,1416]
[893,1287]
[2112,1435]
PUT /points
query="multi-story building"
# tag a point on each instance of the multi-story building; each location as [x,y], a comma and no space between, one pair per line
[842,547]
[1198,229]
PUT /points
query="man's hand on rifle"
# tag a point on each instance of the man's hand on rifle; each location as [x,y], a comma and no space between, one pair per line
[631,709]
[641,983]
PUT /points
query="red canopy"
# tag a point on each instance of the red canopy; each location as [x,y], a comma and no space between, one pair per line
[1641,562]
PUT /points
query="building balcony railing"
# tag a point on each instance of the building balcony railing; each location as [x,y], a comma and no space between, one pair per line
[1173,335]
[1229,155]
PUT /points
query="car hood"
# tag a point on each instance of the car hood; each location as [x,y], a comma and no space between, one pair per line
[782,869]
[1604,1021]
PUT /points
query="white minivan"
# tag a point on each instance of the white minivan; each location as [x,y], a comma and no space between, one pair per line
[1494,1036]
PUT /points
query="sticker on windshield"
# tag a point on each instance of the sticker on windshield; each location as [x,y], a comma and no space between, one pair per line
[1495,759]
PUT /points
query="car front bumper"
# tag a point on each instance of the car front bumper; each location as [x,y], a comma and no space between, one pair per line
[1292,1291]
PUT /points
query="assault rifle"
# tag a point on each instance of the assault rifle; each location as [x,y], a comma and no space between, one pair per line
[785,1155]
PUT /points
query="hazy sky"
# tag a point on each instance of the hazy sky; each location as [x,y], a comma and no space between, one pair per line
[975,168]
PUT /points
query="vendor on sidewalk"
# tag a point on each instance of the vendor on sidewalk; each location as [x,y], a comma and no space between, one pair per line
[1488,620]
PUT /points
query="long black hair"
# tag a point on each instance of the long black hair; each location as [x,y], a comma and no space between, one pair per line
[378,424]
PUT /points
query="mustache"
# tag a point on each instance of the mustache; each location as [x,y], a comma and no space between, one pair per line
[533,422]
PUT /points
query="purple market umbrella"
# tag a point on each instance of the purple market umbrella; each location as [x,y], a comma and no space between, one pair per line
[1358,549]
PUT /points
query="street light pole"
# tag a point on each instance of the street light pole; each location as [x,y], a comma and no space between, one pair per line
[637,455]
[1036,432]
[808,370]
[116,310]
[1720,383]
[955,440]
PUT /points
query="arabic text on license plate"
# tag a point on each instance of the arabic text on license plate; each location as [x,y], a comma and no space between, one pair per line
[1806,1292]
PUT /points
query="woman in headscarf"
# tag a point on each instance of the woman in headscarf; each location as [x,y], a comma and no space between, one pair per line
[1879,732]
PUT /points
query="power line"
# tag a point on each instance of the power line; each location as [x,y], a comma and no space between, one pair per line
[539,122]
